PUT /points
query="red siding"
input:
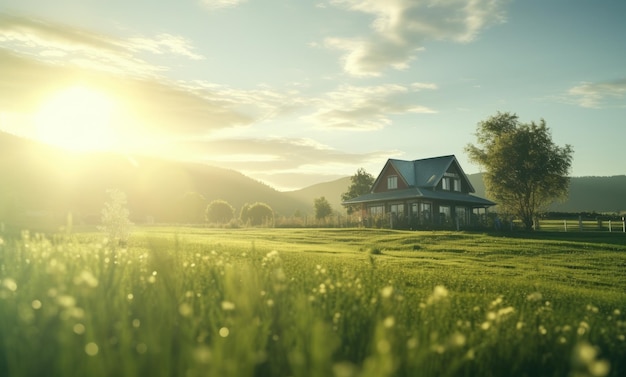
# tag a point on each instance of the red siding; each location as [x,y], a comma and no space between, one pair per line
[382,183]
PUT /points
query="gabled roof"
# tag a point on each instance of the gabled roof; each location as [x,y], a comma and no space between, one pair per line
[426,172]
[421,193]
[422,177]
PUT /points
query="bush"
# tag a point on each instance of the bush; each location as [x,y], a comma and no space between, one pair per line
[257,214]
[219,211]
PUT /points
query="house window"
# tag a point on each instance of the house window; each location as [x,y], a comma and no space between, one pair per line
[461,215]
[376,211]
[457,185]
[444,214]
[425,211]
[445,183]
[397,209]
[392,182]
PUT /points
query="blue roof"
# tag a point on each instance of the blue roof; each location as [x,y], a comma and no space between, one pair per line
[422,177]
[421,193]
[426,172]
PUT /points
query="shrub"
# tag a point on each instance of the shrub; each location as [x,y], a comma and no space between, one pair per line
[257,214]
[219,211]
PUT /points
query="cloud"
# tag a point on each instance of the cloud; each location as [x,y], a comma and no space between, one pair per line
[164,43]
[221,4]
[265,102]
[277,159]
[271,154]
[152,109]
[65,45]
[600,94]
[401,28]
[368,108]
[39,58]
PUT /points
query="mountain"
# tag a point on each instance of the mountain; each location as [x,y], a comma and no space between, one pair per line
[586,194]
[40,180]
[331,190]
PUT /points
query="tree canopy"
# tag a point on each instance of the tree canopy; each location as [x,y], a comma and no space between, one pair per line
[219,211]
[360,183]
[257,214]
[525,170]
[322,208]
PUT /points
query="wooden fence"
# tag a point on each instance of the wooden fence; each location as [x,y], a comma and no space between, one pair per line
[575,225]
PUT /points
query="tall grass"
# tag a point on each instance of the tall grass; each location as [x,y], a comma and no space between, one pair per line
[311,303]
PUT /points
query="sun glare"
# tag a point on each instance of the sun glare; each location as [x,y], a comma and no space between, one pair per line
[78,118]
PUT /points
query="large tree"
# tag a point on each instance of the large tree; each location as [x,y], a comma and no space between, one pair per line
[360,183]
[525,170]
[322,208]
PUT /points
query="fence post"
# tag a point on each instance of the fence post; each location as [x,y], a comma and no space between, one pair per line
[580,223]
[565,225]
[610,228]
[623,225]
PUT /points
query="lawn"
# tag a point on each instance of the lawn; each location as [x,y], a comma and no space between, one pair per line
[313,302]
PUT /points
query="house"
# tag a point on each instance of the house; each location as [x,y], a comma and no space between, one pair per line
[431,192]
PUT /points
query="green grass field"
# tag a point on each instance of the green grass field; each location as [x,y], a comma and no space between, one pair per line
[323,302]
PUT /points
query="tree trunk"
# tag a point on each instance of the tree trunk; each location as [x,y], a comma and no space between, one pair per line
[528,222]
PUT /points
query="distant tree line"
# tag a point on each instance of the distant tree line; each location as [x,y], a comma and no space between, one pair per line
[193,208]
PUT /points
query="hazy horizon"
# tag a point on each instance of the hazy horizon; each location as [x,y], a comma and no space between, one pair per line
[294,94]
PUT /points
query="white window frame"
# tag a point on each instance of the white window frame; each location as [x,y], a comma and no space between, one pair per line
[445,183]
[456,185]
[425,211]
[462,214]
[397,208]
[446,211]
[392,182]
[378,210]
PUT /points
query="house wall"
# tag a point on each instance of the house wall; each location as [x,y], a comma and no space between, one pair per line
[382,182]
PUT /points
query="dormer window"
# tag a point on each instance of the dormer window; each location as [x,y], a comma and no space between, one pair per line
[445,183]
[392,182]
[449,184]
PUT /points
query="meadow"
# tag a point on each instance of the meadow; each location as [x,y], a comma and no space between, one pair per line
[313,302]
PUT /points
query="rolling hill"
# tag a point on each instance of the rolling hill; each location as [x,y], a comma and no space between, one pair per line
[40,180]
[586,194]
[43,181]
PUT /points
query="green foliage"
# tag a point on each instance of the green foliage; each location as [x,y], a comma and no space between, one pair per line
[115,221]
[257,214]
[220,212]
[191,208]
[526,171]
[360,183]
[267,302]
[322,208]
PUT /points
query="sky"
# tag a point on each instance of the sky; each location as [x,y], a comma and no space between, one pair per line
[296,92]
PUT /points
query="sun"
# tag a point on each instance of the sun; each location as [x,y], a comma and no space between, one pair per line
[77,118]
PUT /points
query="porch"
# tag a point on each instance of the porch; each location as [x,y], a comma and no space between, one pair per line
[416,215]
